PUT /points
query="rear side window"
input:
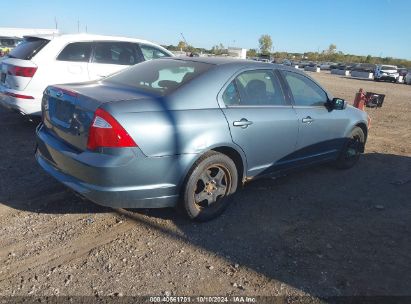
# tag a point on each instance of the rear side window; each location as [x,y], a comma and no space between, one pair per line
[120,53]
[77,51]
[28,48]
[231,96]
[255,88]
[150,52]
[305,92]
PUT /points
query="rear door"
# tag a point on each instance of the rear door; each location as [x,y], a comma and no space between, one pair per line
[321,132]
[112,56]
[261,120]
[71,63]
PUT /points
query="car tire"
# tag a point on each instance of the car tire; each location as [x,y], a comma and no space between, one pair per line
[350,153]
[209,186]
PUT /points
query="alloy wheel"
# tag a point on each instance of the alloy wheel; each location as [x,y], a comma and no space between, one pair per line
[212,185]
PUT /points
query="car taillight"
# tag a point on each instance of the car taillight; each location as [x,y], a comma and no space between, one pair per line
[18,95]
[21,71]
[105,131]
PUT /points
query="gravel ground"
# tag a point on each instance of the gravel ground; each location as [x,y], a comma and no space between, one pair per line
[316,233]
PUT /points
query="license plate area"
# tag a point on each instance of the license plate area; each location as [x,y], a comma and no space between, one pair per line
[61,112]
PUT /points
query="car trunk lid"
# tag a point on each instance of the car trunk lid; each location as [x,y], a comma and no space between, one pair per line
[68,110]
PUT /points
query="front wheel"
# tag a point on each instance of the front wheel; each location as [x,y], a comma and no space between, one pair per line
[209,185]
[350,154]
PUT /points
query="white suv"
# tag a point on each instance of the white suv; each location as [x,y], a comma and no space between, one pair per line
[39,61]
[386,72]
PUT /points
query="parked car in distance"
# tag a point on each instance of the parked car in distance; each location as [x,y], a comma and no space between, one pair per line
[7,44]
[287,62]
[386,72]
[364,67]
[334,66]
[402,72]
[326,65]
[312,64]
[408,77]
[191,130]
[294,63]
[342,66]
[40,61]
[302,64]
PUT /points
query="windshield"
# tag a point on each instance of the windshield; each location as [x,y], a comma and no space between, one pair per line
[28,48]
[161,76]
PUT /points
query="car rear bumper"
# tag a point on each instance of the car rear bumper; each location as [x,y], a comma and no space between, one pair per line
[127,179]
[22,105]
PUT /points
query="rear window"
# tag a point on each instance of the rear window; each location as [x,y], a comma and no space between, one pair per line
[160,77]
[28,48]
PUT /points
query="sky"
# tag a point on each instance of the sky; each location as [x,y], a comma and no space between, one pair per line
[361,27]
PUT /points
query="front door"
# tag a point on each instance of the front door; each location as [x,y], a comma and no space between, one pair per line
[320,131]
[261,120]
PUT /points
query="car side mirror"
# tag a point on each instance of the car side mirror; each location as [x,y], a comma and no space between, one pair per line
[336,104]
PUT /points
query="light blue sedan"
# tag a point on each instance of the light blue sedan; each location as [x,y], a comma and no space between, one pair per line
[190,131]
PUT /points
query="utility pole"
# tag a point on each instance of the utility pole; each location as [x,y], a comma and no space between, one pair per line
[55,22]
[78,25]
[185,41]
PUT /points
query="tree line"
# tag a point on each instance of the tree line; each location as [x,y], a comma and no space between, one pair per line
[265,49]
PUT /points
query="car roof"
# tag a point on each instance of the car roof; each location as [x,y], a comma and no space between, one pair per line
[388,65]
[88,37]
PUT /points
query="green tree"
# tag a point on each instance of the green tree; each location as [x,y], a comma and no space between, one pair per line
[181,45]
[218,49]
[252,53]
[332,49]
[266,44]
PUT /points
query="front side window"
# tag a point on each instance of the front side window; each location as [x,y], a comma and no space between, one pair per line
[150,52]
[255,88]
[77,51]
[305,92]
[119,53]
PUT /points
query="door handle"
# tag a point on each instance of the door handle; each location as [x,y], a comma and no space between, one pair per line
[243,123]
[307,120]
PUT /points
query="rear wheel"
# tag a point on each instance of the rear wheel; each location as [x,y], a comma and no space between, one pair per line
[210,183]
[350,154]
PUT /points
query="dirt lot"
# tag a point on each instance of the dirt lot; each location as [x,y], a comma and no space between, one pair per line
[320,232]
